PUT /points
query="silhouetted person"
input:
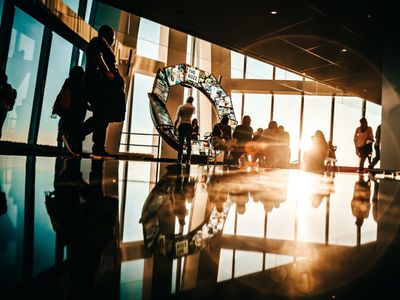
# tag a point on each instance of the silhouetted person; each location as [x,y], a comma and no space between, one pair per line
[7,99]
[222,137]
[184,119]
[195,129]
[284,147]
[269,139]
[377,147]
[70,125]
[314,158]
[363,138]
[243,133]
[101,77]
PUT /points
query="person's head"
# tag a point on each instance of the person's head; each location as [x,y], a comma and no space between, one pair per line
[246,120]
[225,119]
[260,130]
[189,99]
[281,128]
[107,33]
[76,73]
[272,125]
[195,122]
[363,123]
[319,135]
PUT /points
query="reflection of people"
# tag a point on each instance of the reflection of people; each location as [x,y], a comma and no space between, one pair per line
[377,147]
[7,98]
[184,118]
[363,139]
[84,226]
[101,77]
[315,157]
[360,204]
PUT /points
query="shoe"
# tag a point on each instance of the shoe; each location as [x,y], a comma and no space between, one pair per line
[101,155]
[68,145]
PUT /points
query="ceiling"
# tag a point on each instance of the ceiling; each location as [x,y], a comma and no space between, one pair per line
[304,36]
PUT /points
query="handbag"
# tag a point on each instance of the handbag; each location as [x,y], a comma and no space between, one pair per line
[63,101]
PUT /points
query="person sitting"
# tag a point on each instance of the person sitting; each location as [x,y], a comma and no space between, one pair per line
[222,137]
[243,133]
[284,147]
[269,139]
[314,158]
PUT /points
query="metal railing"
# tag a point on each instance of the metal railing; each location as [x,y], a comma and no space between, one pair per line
[129,144]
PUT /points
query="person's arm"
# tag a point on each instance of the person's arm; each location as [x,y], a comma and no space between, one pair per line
[355,137]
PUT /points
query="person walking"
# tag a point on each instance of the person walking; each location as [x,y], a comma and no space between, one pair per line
[184,119]
[363,139]
[377,147]
[101,77]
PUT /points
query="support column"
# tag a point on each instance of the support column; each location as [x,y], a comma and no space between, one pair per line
[177,42]
[390,141]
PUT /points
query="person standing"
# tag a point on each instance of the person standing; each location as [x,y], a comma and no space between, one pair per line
[377,147]
[101,76]
[363,139]
[184,118]
[195,129]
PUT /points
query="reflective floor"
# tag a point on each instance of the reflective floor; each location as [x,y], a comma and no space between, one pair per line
[72,228]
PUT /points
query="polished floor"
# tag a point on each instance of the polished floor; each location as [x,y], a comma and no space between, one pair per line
[79,228]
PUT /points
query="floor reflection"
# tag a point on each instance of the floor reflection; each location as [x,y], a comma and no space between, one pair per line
[77,228]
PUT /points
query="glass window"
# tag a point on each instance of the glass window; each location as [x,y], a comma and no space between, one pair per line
[258,107]
[57,72]
[22,66]
[141,120]
[317,116]
[72,4]
[237,63]
[256,69]
[1,9]
[148,43]
[347,117]
[88,10]
[281,74]
[237,106]
[287,114]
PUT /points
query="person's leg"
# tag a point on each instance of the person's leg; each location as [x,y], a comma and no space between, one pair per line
[181,135]
[188,136]
[363,157]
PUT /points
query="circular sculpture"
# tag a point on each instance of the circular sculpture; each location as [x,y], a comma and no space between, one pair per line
[185,75]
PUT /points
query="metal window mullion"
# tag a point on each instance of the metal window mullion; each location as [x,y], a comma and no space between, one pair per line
[40,86]
[5,31]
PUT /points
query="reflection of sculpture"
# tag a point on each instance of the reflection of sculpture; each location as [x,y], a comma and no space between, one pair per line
[166,203]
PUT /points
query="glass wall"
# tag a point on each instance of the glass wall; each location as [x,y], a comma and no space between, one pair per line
[374,117]
[237,63]
[287,113]
[141,121]
[57,72]
[317,116]
[347,116]
[22,66]
[281,74]
[258,107]
[237,106]
[148,43]
[256,69]
[72,4]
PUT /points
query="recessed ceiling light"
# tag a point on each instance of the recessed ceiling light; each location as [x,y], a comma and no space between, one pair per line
[274,12]
[343,50]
